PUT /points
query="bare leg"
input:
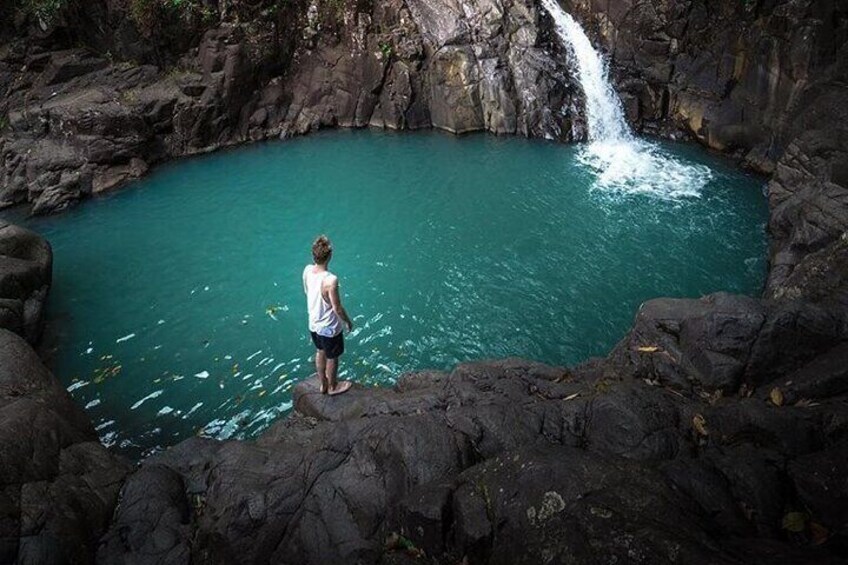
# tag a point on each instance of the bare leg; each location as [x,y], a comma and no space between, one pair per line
[332,372]
[336,387]
[321,369]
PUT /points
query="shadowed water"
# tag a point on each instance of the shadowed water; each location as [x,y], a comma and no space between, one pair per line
[178,308]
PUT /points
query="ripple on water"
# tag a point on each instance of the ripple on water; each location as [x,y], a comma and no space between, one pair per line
[178,303]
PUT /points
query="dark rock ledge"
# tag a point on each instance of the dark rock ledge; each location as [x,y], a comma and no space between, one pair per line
[715,432]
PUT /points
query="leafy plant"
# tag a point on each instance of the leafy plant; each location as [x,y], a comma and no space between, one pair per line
[147,14]
[45,11]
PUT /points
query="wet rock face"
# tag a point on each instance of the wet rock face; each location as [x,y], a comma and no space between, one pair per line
[764,81]
[78,123]
[26,263]
[58,484]
[715,431]
[504,462]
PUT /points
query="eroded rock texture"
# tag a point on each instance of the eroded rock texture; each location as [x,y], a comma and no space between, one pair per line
[58,484]
[715,432]
[26,263]
[78,122]
[513,462]
[765,81]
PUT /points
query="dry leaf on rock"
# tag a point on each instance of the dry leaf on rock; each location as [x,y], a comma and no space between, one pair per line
[700,425]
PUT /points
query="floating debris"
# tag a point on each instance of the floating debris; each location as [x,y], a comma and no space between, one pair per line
[77,385]
[102,374]
[193,409]
[202,375]
[92,404]
[125,338]
[150,396]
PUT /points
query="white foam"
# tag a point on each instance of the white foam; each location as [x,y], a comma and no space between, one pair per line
[621,162]
[639,167]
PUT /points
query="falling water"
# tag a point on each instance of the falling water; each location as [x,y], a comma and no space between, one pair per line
[622,162]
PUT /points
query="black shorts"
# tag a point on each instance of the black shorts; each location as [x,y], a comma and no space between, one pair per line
[333,347]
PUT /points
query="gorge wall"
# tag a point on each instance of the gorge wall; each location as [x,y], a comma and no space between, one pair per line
[762,80]
[78,121]
[715,432]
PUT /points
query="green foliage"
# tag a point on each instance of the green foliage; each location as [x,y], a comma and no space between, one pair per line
[148,14]
[4,122]
[385,49]
[46,11]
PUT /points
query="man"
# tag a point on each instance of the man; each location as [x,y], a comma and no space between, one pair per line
[326,315]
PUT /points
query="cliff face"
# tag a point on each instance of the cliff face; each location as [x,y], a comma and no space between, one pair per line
[715,432]
[79,121]
[762,80]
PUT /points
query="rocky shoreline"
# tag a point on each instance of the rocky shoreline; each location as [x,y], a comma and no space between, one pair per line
[716,431]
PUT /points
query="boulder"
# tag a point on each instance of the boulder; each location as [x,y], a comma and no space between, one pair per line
[58,484]
[26,263]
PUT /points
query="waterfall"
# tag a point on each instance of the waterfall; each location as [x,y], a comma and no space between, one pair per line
[622,162]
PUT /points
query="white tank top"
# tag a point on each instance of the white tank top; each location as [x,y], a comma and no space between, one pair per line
[322,318]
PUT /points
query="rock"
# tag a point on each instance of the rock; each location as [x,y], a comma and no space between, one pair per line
[58,484]
[671,449]
[498,462]
[820,480]
[81,124]
[26,263]
[705,343]
[152,522]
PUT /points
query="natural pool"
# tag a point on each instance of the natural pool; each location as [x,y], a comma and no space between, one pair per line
[177,305]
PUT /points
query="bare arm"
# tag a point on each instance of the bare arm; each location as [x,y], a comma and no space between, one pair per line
[336,303]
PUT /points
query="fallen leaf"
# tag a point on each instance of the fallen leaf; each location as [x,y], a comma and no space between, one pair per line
[776,396]
[819,533]
[648,349]
[795,522]
[700,425]
[572,396]
[806,403]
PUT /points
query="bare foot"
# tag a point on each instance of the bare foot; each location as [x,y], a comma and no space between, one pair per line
[322,385]
[341,387]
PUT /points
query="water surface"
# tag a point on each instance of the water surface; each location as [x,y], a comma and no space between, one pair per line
[178,304]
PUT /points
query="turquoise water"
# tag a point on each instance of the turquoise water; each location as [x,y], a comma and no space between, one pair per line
[178,308]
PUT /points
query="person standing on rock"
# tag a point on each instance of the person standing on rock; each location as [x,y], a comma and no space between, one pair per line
[326,316]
